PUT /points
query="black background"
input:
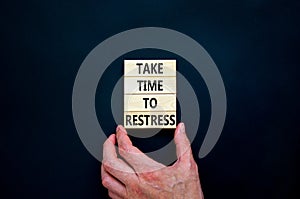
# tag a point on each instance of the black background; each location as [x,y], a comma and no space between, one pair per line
[255,44]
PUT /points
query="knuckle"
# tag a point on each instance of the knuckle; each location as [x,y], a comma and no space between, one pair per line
[124,150]
[188,162]
[149,176]
[107,165]
[106,182]
[110,194]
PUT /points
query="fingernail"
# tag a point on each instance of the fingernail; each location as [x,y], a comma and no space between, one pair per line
[182,128]
[120,128]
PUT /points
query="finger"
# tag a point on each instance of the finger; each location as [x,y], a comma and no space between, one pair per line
[183,146]
[112,184]
[115,166]
[114,196]
[109,150]
[137,159]
[125,142]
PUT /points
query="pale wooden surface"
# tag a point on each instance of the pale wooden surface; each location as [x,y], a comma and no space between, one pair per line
[132,86]
[136,103]
[149,124]
[131,69]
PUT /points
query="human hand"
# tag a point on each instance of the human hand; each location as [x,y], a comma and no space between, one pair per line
[142,177]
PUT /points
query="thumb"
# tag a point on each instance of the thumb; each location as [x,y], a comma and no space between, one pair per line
[183,146]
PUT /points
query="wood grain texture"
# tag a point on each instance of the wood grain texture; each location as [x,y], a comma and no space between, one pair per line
[131,69]
[140,102]
[150,119]
[131,85]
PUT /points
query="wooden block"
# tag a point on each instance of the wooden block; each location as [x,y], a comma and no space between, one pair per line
[149,68]
[163,102]
[149,85]
[150,119]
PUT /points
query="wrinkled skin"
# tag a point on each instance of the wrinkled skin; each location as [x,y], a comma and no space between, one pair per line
[141,177]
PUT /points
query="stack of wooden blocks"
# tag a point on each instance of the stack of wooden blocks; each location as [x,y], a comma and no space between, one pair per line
[150,93]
